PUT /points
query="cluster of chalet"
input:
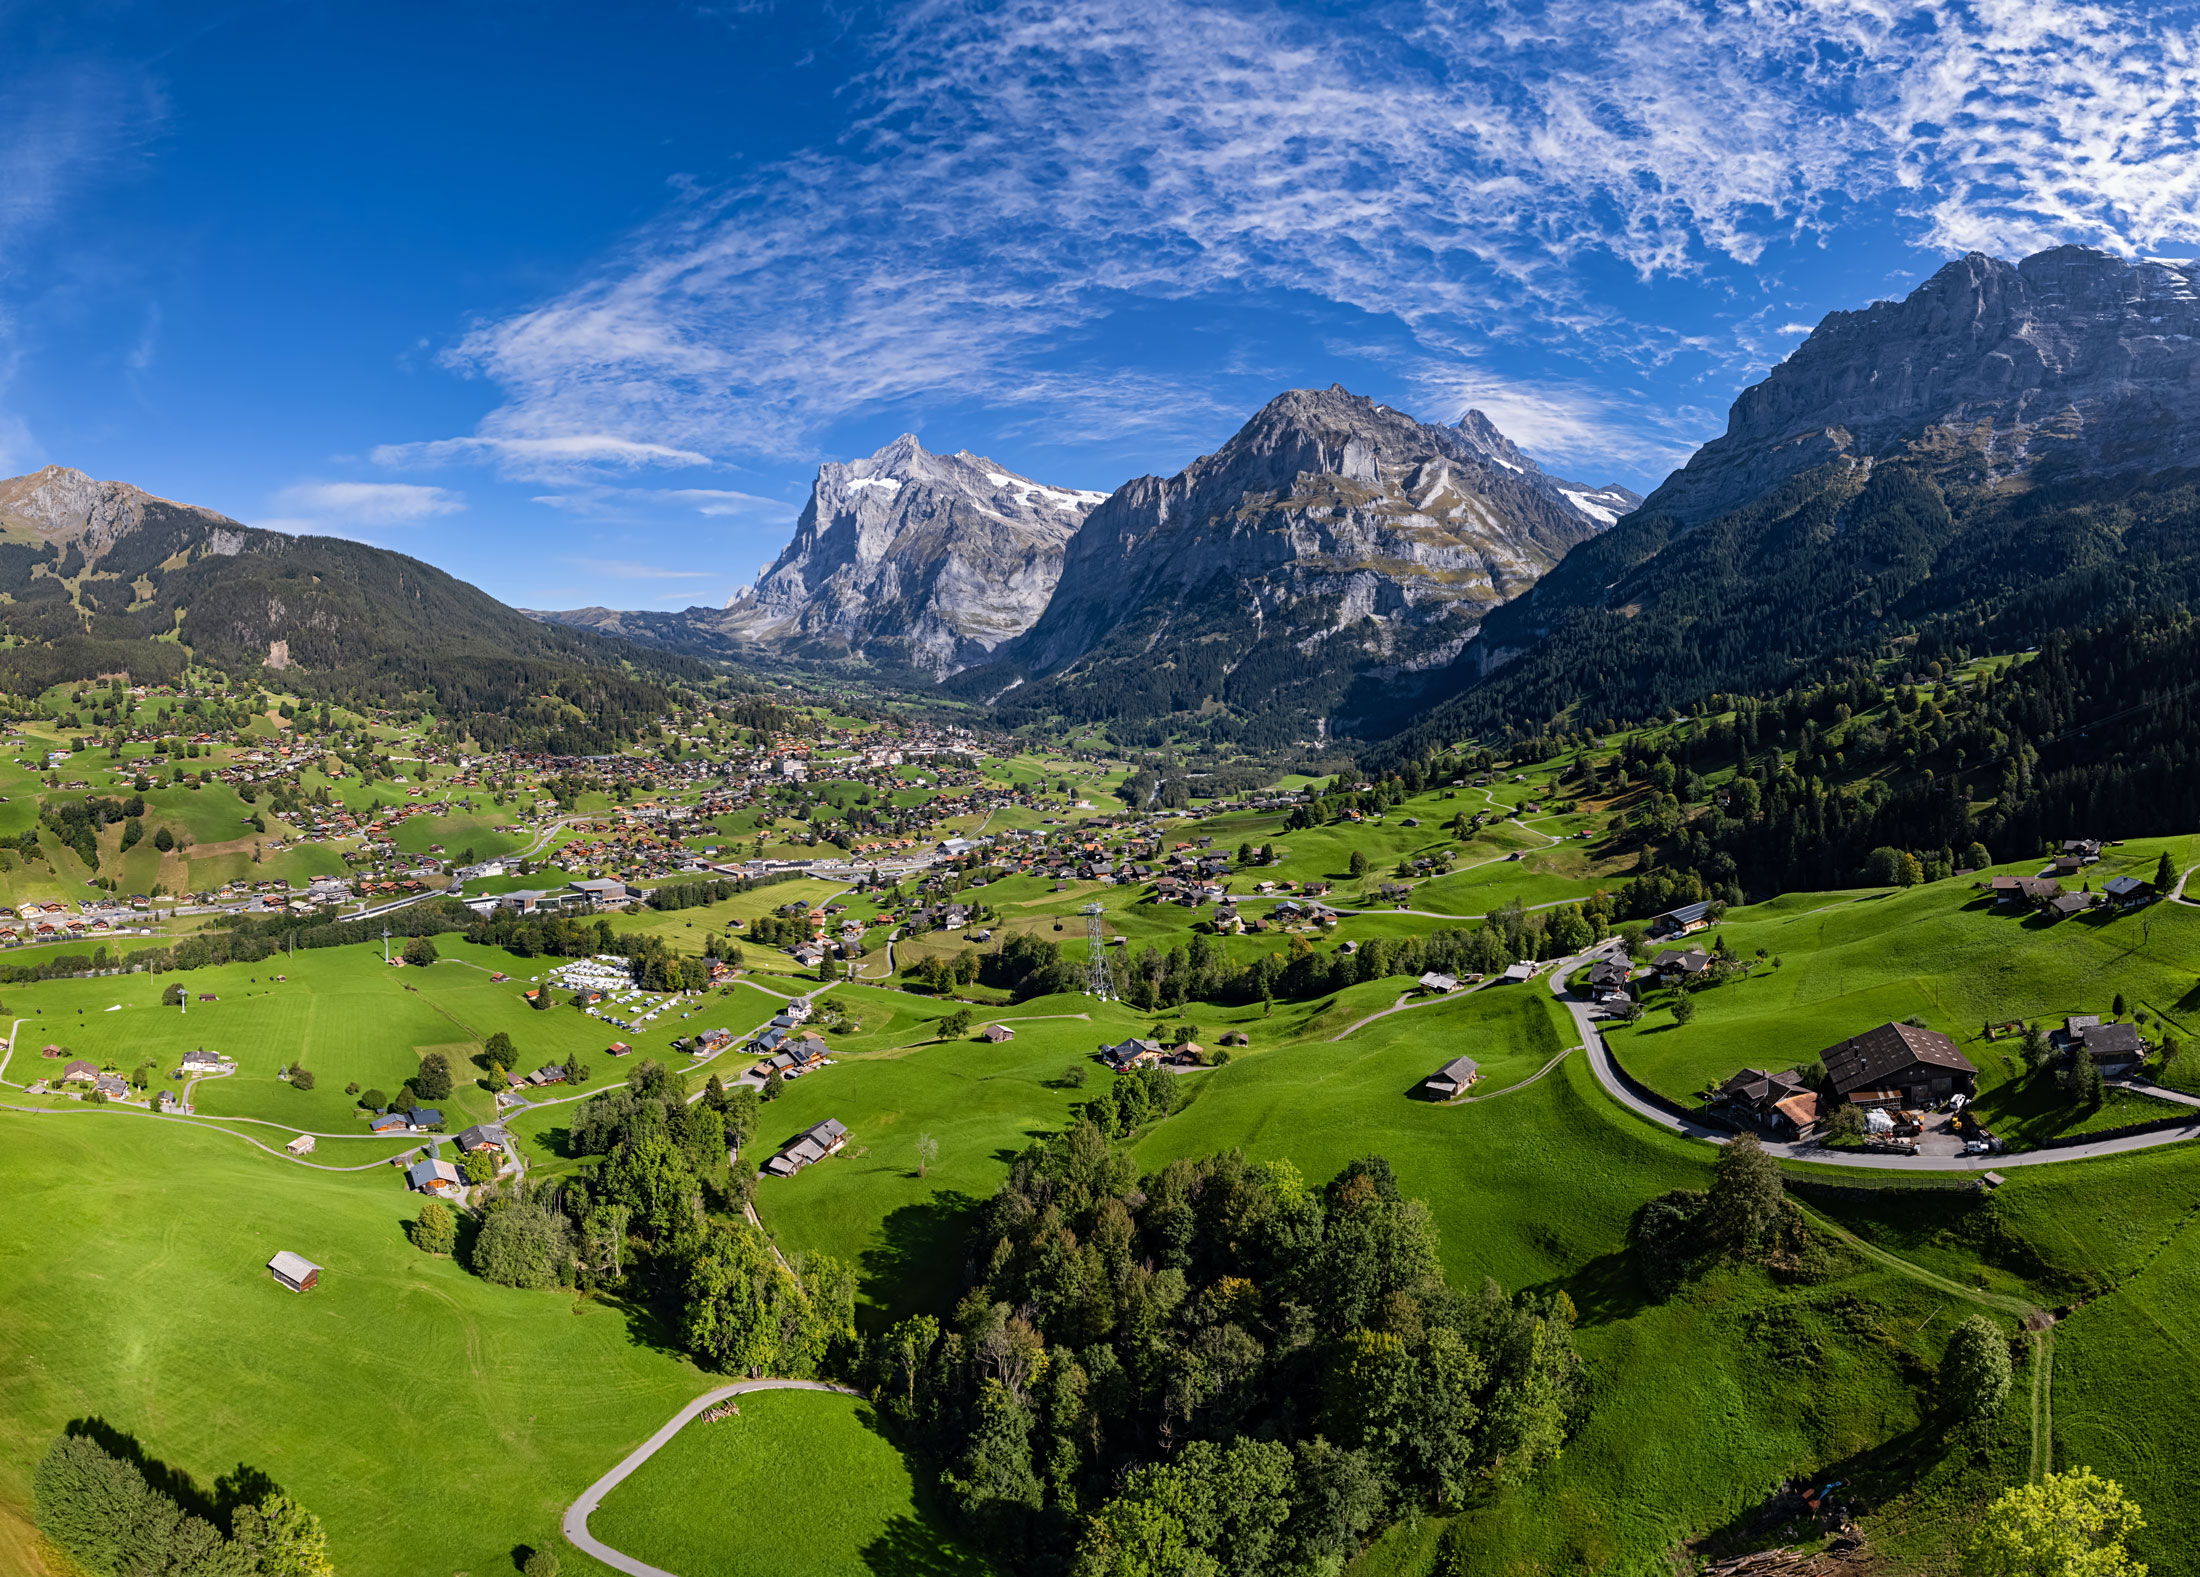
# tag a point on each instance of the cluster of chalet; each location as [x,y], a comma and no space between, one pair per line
[815,1144]
[1139,1053]
[788,1049]
[2046,894]
[1135,1053]
[794,1055]
[112,1086]
[2041,893]
[1895,1065]
[431,1174]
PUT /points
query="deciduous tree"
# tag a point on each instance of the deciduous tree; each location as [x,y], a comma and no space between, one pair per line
[1974,1372]
[2071,1524]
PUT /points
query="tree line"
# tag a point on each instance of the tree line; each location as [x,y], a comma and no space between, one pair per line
[659,1219]
[99,1508]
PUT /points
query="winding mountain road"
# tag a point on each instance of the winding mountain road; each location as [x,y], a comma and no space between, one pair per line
[576,1515]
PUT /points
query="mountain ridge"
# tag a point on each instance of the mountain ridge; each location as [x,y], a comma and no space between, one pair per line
[2010,448]
[1331,538]
[103,576]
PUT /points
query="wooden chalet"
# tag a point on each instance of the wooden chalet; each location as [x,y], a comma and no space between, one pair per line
[1897,1064]
[1453,1079]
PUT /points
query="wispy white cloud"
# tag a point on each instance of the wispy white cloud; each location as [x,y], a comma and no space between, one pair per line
[63,125]
[647,505]
[539,458]
[317,505]
[622,569]
[1012,175]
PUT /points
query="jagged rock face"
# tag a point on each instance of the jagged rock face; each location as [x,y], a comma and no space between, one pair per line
[62,505]
[1362,538]
[935,560]
[2072,361]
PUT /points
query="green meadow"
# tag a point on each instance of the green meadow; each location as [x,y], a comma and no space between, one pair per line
[439,1423]
[801,1483]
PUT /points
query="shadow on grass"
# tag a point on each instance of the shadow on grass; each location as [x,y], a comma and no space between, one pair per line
[1605,1290]
[913,1268]
[645,1326]
[920,1545]
[1867,1479]
[242,1485]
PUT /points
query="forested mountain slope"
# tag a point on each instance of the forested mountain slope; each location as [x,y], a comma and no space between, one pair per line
[100,577]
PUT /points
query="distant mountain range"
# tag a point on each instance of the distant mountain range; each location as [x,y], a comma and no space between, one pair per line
[1331,540]
[2011,448]
[907,560]
[101,577]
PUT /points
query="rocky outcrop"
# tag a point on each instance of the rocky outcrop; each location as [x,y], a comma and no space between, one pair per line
[2070,362]
[1331,538]
[67,506]
[929,559]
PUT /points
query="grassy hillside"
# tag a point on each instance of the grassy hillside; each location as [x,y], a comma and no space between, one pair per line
[1943,952]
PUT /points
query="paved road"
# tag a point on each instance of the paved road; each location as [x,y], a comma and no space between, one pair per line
[1601,1062]
[577,1514]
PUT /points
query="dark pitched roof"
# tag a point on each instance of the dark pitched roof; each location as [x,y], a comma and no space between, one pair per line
[1760,1089]
[1871,1060]
[2113,1040]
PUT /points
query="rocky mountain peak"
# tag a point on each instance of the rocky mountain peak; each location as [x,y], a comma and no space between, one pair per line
[909,556]
[2073,359]
[1483,437]
[1329,538]
[65,505]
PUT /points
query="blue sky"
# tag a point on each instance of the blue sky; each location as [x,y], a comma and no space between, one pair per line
[572,300]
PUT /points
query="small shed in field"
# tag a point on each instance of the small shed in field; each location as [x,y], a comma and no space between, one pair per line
[294,1271]
[302,1145]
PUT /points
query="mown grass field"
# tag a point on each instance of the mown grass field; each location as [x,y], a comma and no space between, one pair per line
[434,1421]
[801,1484]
